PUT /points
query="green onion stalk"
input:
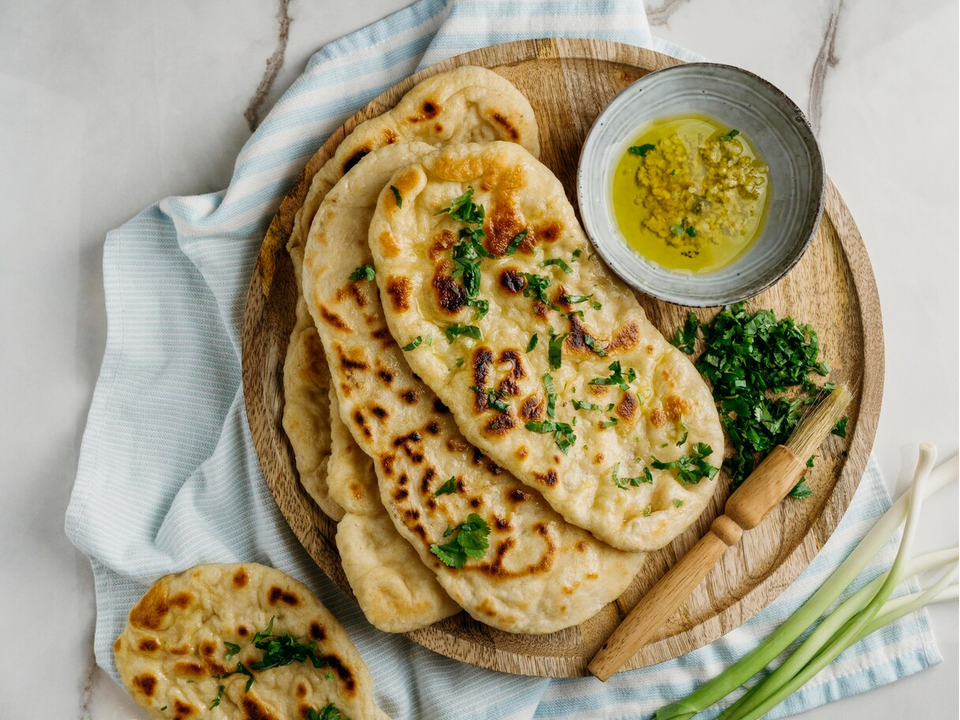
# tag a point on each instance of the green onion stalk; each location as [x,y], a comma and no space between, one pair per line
[855,617]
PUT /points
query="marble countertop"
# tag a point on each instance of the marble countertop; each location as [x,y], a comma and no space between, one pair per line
[108,106]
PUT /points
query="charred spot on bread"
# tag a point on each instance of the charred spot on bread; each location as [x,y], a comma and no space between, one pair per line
[398,289]
[532,408]
[359,154]
[277,594]
[512,280]
[145,683]
[627,407]
[510,130]
[450,295]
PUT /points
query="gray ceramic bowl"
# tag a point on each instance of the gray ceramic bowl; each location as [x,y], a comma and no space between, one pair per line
[777,129]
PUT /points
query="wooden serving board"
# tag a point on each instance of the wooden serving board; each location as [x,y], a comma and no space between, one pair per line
[569,82]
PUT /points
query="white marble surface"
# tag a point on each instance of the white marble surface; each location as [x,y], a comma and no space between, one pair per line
[107,106]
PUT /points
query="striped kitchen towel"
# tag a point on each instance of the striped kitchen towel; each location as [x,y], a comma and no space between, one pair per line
[168,476]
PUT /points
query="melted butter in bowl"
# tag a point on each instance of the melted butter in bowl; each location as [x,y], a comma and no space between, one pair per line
[690,194]
[701,184]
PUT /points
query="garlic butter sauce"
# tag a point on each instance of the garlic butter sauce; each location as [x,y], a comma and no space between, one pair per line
[691,194]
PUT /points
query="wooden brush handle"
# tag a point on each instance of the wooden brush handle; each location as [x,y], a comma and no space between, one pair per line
[758,495]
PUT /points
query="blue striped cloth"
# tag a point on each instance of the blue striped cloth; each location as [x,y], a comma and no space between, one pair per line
[168,476]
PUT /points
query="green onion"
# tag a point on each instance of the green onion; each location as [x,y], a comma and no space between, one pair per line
[906,508]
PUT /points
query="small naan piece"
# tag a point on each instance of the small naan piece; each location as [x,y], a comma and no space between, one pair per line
[464,104]
[189,649]
[586,415]
[540,574]
[396,592]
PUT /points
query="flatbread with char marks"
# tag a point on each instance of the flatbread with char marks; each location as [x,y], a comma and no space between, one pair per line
[600,414]
[539,574]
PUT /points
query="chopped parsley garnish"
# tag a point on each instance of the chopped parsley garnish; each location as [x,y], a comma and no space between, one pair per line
[683,438]
[280,650]
[536,288]
[759,368]
[470,542]
[265,633]
[459,362]
[533,342]
[450,486]
[494,399]
[364,272]
[583,405]
[577,253]
[327,712]
[551,394]
[642,150]
[562,432]
[242,670]
[730,135]
[456,330]
[647,511]
[469,250]
[685,227]
[555,350]
[677,502]
[574,299]
[467,255]
[232,649]
[482,307]
[810,461]
[396,194]
[627,482]
[216,700]
[685,338]
[559,263]
[413,344]
[840,428]
[594,345]
[609,423]
[801,489]
[616,377]
[692,468]
[514,244]
[464,209]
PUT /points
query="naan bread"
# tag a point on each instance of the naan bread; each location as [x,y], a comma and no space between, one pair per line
[175,646]
[666,409]
[306,410]
[465,104]
[396,591]
[540,574]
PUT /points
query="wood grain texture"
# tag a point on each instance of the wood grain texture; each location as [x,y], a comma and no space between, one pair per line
[569,82]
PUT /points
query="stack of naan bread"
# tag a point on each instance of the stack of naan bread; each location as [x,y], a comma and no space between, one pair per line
[385,405]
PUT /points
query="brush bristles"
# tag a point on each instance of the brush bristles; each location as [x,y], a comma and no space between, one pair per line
[811,431]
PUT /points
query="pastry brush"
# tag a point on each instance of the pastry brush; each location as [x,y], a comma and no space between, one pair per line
[762,491]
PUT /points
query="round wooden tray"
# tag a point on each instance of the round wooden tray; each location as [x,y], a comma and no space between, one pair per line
[569,82]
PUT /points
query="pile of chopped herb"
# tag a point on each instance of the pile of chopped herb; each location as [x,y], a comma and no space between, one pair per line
[760,369]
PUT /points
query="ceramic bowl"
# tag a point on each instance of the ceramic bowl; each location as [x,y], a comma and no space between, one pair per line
[777,129]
